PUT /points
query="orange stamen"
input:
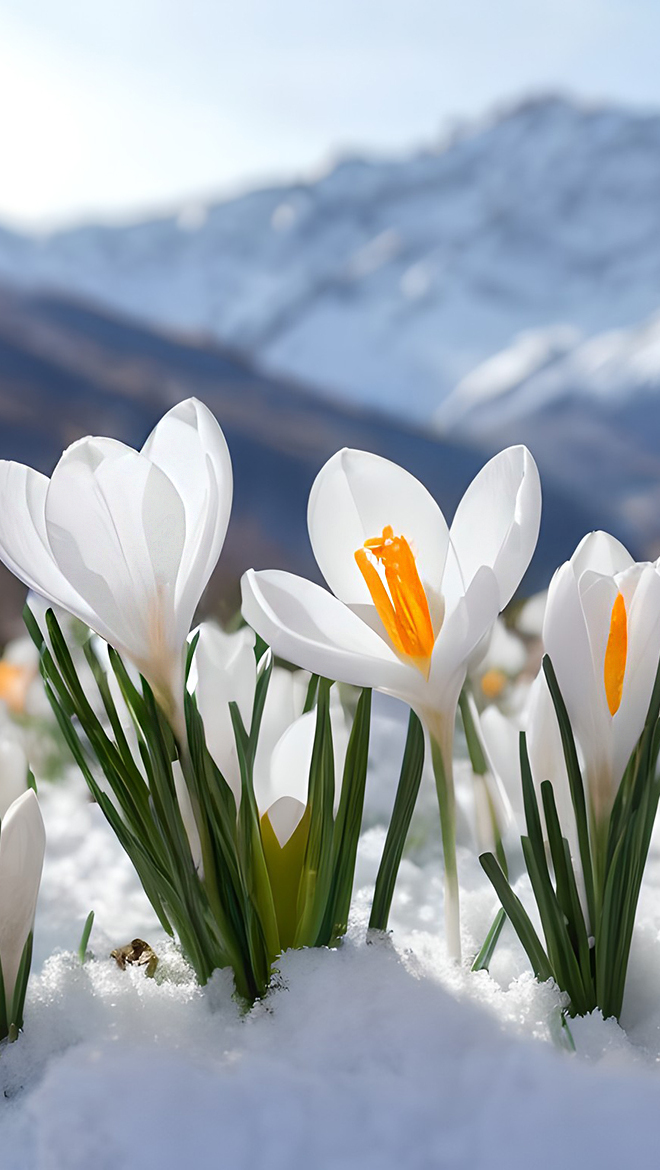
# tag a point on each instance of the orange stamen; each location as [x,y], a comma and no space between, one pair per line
[404,611]
[616,654]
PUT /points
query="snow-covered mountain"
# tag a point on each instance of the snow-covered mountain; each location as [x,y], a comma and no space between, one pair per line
[588,408]
[389,281]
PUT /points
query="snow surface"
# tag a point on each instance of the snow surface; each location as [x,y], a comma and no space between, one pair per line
[389,280]
[374,1055]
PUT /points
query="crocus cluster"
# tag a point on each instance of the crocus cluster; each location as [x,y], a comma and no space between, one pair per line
[237,783]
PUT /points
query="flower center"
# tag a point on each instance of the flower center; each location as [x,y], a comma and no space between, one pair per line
[616,654]
[404,610]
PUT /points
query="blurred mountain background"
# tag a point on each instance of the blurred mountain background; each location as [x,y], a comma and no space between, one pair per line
[502,286]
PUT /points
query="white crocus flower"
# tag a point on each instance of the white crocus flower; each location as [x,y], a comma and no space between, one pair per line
[126,540]
[224,670]
[22,845]
[412,599]
[602,633]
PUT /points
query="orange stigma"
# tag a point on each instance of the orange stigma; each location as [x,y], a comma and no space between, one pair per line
[616,654]
[404,611]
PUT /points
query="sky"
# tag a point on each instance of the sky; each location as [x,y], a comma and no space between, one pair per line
[114,110]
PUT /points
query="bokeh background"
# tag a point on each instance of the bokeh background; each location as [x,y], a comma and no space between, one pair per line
[427,229]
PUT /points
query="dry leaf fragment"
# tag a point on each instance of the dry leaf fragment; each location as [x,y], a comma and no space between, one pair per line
[136,953]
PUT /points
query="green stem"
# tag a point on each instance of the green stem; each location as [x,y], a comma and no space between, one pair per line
[441,755]
[480,767]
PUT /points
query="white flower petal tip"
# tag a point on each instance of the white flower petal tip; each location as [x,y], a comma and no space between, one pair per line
[22,846]
[126,540]
[285,814]
[497,522]
[602,553]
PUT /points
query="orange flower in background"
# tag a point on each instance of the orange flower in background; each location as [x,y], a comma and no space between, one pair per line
[15,682]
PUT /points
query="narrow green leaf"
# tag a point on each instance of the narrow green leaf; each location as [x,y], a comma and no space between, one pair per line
[404,805]
[312,691]
[84,938]
[20,989]
[483,960]
[348,823]
[317,866]
[567,892]
[519,918]
[576,786]
[190,654]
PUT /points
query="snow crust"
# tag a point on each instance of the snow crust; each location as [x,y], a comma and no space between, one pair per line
[378,1054]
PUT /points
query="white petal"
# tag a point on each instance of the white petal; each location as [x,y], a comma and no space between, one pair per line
[225,672]
[356,495]
[116,527]
[602,553]
[285,815]
[546,754]
[497,521]
[309,627]
[283,705]
[13,773]
[642,597]
[22,844]
[597,596]
[190,448]
[187,814]
[500,737]
[24,544]
[567,643]
[292,756]
[463,629]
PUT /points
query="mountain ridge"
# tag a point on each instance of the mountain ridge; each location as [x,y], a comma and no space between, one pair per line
[387,281]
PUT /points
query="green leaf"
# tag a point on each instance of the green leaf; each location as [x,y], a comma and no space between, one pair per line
[519,918]
[347,826]
[84,938]
[190,654]
[317,867]
[576,787]
[404,804]
[20,989]
[312,691]
[483,960]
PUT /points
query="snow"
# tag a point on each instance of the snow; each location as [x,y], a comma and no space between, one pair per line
[378,1054]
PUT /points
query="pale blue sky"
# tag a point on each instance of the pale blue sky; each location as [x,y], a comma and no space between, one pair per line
[113,109]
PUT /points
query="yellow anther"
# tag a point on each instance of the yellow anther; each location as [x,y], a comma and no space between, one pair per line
[404,610]
[616,654]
